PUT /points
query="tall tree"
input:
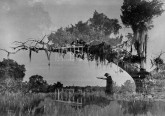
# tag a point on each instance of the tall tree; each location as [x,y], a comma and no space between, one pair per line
[138,15]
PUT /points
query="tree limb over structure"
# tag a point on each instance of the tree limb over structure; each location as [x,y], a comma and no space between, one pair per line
[100,52]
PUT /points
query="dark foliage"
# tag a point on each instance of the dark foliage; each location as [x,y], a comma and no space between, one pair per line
[135,13]
[51,88]
[37,84]
[138,14]
[100,22]
[11,69]
[158,61]
[96,28]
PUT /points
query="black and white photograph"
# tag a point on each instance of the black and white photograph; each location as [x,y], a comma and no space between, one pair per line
[82,57]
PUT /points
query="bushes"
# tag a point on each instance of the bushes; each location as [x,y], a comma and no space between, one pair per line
[11,69]
[159,82]
[10,85]
[128,87]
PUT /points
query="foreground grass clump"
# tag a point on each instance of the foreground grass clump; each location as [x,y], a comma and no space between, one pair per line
[18,104]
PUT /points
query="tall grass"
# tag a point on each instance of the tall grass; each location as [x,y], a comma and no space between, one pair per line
[18,104]
[45,105]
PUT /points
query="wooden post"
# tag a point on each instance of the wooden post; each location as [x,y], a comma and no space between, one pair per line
[77,101]
[81,100]
[78,49]
[62,94]
[58,54]
[84,97]
[62,53]
[84,93]
[82,50]
[73,95]
[58,94]
[55,94]
[69,96]
[74,52]
[71,47]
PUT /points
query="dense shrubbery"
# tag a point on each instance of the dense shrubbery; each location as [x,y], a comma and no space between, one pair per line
[126,88]
[159,82]
[11,69]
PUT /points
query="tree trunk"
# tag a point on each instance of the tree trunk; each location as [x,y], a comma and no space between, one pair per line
[140,43]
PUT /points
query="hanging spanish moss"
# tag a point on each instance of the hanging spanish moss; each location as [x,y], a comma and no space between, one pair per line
[30,54]
[104,52]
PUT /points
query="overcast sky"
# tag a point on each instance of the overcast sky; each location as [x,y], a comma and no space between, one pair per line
[23,19]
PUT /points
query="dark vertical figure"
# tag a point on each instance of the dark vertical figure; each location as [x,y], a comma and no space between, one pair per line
[109,83]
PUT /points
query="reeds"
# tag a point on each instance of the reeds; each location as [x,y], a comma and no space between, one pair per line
[97,104]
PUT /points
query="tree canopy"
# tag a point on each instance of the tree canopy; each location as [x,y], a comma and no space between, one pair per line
[37,84]
[135,13]
[99,27]
[101,22]
[139,14]
[11,69]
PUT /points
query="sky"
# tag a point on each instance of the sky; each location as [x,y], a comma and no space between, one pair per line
[23,19]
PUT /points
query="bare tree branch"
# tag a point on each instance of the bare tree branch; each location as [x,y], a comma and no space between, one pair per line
[8,53]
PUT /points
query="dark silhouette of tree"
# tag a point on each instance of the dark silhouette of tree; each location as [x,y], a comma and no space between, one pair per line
[11,69]
[37,84]
[51,88]
[58,85]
